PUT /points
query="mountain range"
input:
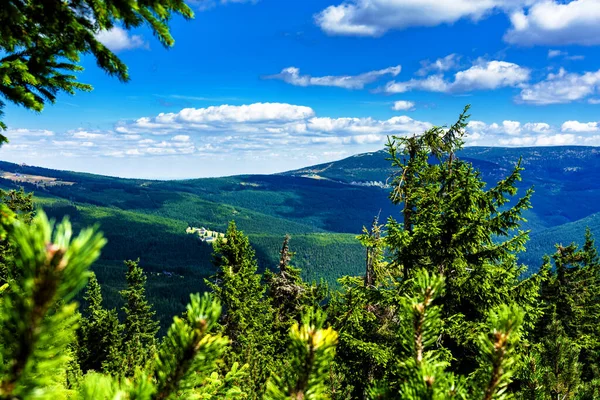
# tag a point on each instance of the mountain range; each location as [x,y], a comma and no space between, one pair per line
[323,207]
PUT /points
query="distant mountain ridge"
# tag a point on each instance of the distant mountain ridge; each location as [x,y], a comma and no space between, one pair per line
[323,207]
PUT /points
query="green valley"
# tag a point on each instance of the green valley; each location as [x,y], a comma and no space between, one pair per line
[147,219]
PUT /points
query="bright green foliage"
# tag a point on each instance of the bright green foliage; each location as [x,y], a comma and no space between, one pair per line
[22,205]
[41,42]
[377,269]
[456,227]
[184,366]
[100,333]
[363,313]
[188,354]
[562,372]
[139,341]
[290,296]
[248,316]
[421,367]
[310,355]
[35,329]
[569,333]
[498,351]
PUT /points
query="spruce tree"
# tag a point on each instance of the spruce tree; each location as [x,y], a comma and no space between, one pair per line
[37,317]
[290,296]
[139,340]
[100,333]
[309,357]
[248,315]
[571,300]
[363,313]
[455,226]
[21,204]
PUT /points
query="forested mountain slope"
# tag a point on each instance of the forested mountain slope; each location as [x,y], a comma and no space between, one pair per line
[323,207]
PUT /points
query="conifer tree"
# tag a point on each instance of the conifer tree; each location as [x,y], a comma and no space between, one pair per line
[41,42]
[571,299]
[100,333]
[421,368]
[454,226]
[248,315]
[37,319]
[310,354]
[21,205]
[139,341]
[363,314]
[290,296]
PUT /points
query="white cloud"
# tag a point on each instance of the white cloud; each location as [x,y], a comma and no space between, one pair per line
[292,76]
[440,65]
[565,55]
[537,127]
[82,134]
[559,139]
[203,5]
[117,39]
[349,126]
[561,87]
[533,22]
[375,17]
[433,83]
[484,75]
[512,133]
[262,131]
[556,53]
[512,127]
[403,105]
[21,132]
[212,117]
[576,126]
[551,22]
[490,75]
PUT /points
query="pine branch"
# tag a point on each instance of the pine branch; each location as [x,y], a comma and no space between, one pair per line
[35,328]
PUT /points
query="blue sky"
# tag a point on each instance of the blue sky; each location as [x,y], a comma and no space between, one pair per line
[270,85]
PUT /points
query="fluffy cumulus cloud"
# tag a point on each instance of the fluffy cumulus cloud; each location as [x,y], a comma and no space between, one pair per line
[216,117]
[403,105]
[533,22]
[562,87]
[515,133]
[484,75]
[292,76]
[558,139]
[576,126]
[252,130]
[268,131]
[263,127]
[118,39]
[375,17]
[554,22]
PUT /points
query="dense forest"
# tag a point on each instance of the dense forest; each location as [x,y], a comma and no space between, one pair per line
[439,306]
